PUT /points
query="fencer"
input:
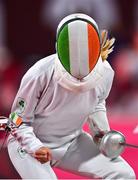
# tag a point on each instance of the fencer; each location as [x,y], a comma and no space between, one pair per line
[57,96]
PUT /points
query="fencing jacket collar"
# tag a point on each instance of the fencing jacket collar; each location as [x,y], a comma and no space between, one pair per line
[69,82]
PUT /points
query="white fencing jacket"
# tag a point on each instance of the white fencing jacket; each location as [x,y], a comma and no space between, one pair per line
[52,114]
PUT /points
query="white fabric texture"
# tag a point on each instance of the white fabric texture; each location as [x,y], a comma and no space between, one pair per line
[56,114]
[82,157]
[78,48]
[53,116]
[27,166]
[87,83]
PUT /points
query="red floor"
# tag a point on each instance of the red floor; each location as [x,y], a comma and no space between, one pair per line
[125,125]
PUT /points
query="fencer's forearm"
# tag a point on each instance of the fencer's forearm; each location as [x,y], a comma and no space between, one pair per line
[26,137]
[98,123]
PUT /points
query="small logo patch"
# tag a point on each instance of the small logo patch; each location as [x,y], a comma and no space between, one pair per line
[21,152]
[21,104]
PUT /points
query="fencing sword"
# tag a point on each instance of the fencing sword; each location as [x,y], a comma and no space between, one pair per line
[129,145]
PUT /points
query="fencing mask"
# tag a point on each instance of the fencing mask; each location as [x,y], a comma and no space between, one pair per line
[78,45]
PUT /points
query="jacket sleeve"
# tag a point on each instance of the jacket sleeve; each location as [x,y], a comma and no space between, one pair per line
[97,120]
[24,105]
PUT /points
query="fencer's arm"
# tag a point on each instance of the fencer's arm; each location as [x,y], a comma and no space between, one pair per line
[97,120]
[30,142]
[27,139]
[98,123]
[24,105]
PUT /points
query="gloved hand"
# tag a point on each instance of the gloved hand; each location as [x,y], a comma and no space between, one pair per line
[106,45]
[98,137]
[112,144]
[43,155]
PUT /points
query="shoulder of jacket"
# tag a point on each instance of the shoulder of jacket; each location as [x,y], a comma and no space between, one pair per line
[43,67]
[107,76]
[108,71]
[108,67]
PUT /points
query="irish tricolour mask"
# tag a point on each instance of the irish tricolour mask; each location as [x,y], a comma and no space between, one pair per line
[78,44]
